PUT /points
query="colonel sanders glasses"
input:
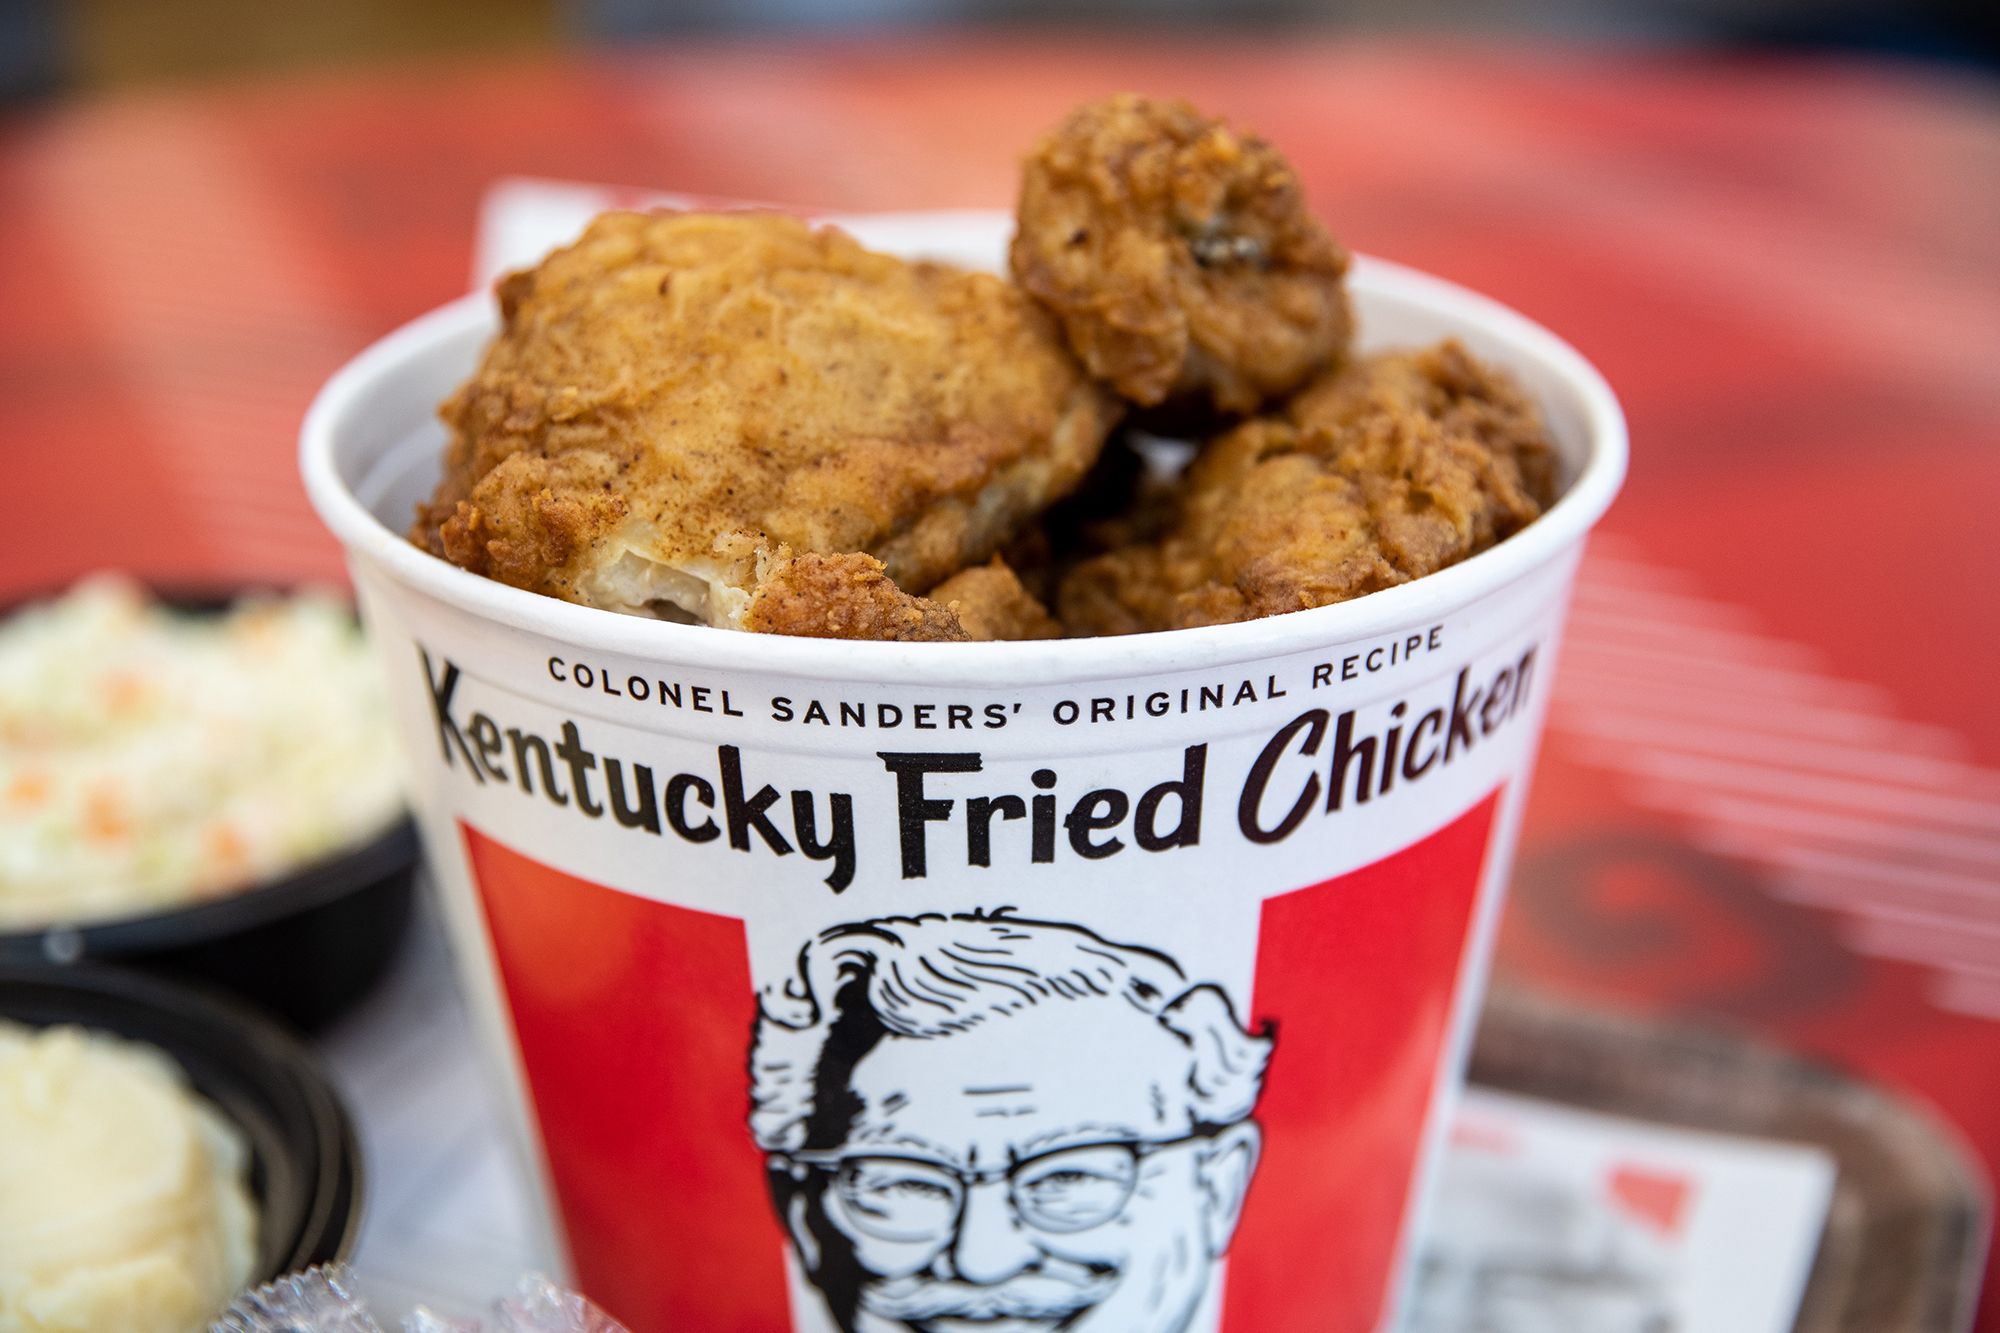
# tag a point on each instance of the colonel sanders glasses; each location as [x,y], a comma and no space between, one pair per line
[918,1199]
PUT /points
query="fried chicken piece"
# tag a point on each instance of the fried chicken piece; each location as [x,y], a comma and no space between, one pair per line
[991,603]
[846,597]
[1179,256]
[1388,469]
[681,409]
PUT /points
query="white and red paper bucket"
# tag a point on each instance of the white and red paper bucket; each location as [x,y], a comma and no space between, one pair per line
[1114,984]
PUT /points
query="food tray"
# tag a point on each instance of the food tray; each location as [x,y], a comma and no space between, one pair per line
[1907,1230]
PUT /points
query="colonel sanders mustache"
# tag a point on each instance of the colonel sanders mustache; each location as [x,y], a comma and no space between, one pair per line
[1049,1293]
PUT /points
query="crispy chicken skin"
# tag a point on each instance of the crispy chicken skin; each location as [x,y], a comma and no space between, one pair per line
[849,597]
[1179,256]
[991,603]
[738,420]
[845,596]
[1385,470]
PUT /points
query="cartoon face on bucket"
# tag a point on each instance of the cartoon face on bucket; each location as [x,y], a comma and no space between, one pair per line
[980,1121]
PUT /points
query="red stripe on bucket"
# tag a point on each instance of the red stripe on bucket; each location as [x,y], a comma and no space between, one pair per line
[633,1018]
[1364,970]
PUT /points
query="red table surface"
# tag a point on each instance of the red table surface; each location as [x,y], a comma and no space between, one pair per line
[1765,800]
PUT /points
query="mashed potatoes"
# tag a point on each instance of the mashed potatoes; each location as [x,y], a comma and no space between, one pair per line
[122,1196]
[149,758]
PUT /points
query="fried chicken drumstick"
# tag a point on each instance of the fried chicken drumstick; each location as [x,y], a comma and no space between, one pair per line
[737,420]
[1179,256]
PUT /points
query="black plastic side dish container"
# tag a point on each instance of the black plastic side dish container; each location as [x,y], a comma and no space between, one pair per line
[307,946]
[305,1170]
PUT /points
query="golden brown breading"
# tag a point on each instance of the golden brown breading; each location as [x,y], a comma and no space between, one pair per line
[1179,256]
[676,398]
[991,603]
[1386,470]
[844,597]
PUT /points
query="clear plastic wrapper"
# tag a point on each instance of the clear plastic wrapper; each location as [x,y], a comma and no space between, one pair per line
[319,1300]
[323,1300]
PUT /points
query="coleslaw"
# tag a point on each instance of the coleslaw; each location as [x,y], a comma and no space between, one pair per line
[151,758]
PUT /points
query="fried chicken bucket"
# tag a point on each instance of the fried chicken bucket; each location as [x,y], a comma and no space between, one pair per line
[1112,983]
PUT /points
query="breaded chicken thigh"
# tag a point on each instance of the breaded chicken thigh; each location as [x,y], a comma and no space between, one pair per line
[738,420]
[1179,256]
[1388,469]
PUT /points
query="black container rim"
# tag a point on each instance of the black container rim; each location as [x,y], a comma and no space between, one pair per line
[392,849]
[232,1055]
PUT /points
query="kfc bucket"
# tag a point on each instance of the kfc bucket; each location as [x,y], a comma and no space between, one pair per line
[1113,984]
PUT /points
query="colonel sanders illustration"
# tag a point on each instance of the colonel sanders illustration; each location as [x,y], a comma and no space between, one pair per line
[983,1122]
